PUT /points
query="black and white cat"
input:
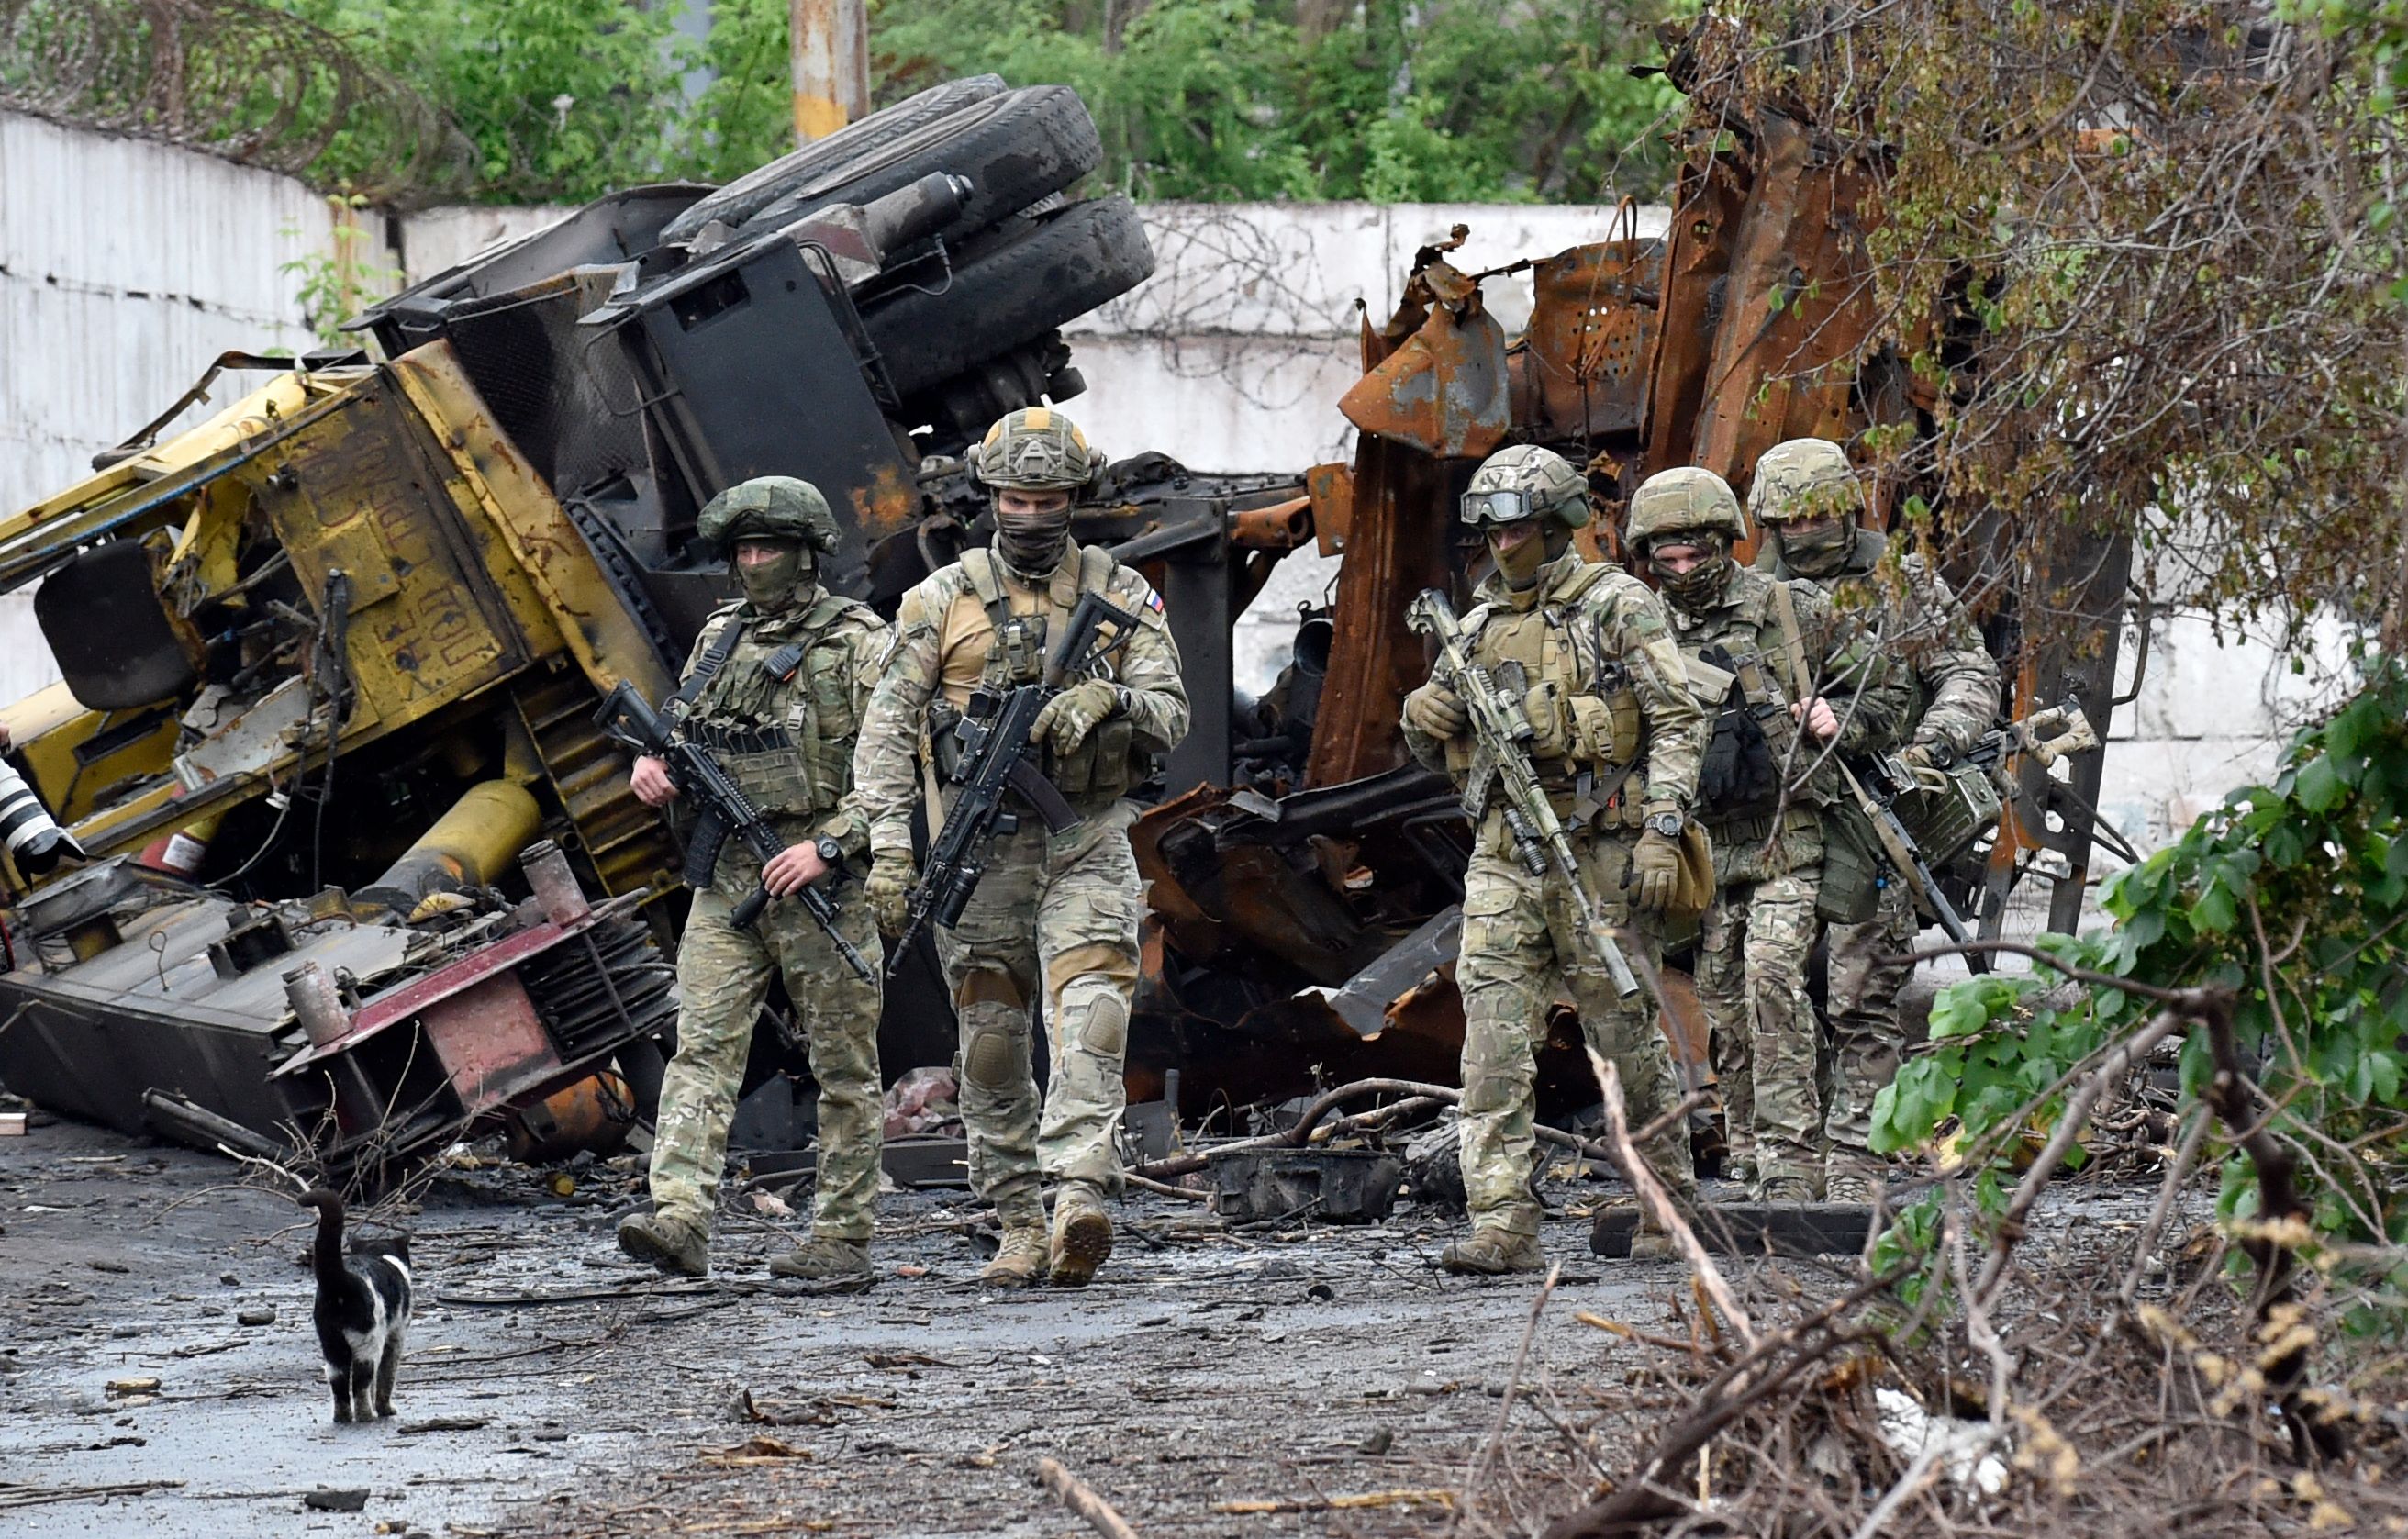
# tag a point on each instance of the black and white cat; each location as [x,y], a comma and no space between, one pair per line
[363,1311]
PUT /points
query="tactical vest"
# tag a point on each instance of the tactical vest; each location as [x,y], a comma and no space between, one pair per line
[778,719]
[1108,763]
[1587,734]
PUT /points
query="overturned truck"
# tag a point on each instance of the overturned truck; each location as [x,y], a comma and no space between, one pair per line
[362,872]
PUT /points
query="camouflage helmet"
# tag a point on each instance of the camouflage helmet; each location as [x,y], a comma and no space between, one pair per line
[767,508]
[1803,478]
[1036,448]
[1524,481]
[1691,501]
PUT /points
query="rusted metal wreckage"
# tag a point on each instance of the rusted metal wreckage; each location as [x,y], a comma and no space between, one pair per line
[332,657]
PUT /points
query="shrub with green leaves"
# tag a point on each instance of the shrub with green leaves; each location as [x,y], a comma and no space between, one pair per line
[2294,896]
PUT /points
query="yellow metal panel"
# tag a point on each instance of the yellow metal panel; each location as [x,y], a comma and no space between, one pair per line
[605,639]
[48,726]
[350,492]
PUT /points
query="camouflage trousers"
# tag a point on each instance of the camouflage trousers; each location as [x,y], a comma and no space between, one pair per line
[1055,918]
[1522,949]
[723,974]
[1753,948]
[1867,1038]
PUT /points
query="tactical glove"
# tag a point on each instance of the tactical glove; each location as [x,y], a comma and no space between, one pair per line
[1655,872]
[1437,711]
[892,874]
[1069,716]
[1919,755]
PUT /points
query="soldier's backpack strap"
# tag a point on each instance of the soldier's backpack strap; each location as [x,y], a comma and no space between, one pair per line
[706,666]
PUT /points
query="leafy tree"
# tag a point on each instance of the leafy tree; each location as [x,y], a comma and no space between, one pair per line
[1217,99]
[564,99]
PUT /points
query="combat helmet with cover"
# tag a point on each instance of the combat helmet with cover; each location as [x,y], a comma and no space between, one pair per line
[1804,478]
[1690,501]
[1525,481]
[1036,448]
[767,508]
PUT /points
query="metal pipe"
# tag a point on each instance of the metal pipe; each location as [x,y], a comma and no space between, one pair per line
[316,1005]
[467,847]
[830,53]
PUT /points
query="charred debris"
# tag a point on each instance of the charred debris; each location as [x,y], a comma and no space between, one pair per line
[365,878]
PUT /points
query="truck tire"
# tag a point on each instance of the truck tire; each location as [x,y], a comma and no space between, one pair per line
[1016,149]
[1071,260]
[756,189]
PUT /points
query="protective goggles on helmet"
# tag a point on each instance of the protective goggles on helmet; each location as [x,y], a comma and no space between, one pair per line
[1506,505]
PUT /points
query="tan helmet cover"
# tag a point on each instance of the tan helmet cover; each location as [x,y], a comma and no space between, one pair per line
[1689,500]
[1804,478]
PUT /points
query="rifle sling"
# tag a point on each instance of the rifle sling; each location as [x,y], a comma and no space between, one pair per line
[706,668]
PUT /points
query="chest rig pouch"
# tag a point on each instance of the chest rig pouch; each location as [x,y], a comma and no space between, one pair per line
[1586,733]
[1738,779]
[1107,762]
[779,718]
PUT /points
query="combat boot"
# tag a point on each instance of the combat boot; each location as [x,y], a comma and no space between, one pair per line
[1082,1235]
[1846,1180]
[672,1245]
[1786,1184]
[1021,1262]
[1491,1252]
[825,1261]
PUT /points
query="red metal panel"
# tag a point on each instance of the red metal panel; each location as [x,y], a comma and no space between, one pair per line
[491,1042]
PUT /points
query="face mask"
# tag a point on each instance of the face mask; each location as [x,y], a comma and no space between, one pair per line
[773,585]
[1816,554]
[1519,566]
[1031,543]
[1701,586]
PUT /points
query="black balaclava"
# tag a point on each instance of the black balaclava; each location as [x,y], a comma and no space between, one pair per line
[1031,545]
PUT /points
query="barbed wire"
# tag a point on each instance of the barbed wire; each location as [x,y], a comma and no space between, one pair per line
[235,80]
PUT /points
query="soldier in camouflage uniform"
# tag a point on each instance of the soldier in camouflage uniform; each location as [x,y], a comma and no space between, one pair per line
[1769,773]
[1617,742]
[775,691]
[1055,916]
[1807,498]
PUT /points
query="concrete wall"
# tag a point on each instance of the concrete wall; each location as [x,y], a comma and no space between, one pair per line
[125,266]
[1231,357]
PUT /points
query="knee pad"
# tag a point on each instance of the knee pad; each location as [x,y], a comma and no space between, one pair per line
[1105,1033]
[990,1060]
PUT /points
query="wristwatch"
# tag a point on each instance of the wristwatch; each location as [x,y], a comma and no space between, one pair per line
[831,853]
[1666,824]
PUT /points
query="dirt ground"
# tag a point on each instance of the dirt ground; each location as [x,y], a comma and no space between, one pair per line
[552,1387]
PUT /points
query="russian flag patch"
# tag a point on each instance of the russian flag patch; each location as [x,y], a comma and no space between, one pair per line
[1153,602]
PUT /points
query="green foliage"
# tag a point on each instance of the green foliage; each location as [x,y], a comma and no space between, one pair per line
[2293,894]
[1425,100]
[335,285]
[746,116]
[564,99]
[1217,99]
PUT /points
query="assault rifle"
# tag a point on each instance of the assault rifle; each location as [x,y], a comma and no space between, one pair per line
[722,809]
[2046,735]
[996,757]
[1500,731]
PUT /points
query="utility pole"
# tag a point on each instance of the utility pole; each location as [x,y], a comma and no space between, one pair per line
[831,55]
